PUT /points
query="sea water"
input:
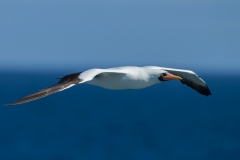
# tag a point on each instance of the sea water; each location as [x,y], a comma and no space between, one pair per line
[167,121]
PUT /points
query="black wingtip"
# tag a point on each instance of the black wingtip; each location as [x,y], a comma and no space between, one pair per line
[11,104]
[206,91]
[202,89]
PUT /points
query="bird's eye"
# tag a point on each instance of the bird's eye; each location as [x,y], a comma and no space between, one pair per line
[163,74]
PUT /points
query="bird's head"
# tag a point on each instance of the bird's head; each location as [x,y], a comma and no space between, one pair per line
[168,76]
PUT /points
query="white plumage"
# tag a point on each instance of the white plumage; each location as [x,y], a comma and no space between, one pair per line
[118,78]
[122,77]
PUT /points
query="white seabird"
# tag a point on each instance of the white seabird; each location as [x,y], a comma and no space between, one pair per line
[127,77]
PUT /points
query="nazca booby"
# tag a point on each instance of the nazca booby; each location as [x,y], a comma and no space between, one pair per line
[118,78]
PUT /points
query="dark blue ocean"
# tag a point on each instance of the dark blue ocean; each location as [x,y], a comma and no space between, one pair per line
[169,121]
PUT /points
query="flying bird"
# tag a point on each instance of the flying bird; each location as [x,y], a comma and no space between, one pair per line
[118,78]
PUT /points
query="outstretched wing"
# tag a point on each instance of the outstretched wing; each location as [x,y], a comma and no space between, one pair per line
[191,79]
[92,73]
[65,82]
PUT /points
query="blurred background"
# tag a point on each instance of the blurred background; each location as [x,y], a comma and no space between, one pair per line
[43,40]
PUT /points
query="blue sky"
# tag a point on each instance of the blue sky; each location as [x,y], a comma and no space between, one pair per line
[80,34]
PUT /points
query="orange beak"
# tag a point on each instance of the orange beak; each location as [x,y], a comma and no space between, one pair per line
[170,76]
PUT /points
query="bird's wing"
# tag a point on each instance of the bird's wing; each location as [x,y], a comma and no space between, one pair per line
[64,83]
[191,79]
[92,73]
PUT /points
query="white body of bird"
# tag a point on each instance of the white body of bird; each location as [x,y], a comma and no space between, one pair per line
[127,77]
[124,77]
